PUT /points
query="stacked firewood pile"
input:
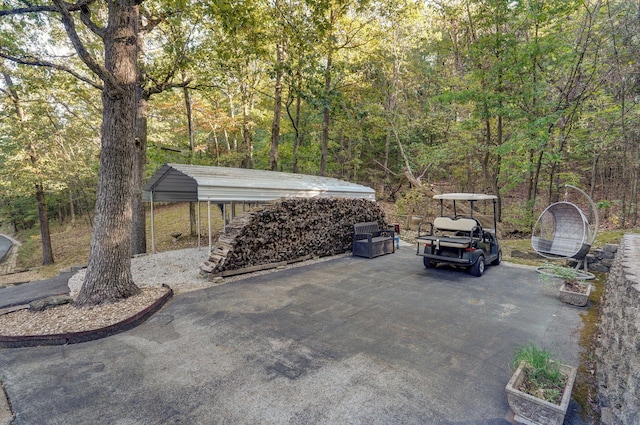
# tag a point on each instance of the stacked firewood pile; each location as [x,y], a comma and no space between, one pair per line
[290,230]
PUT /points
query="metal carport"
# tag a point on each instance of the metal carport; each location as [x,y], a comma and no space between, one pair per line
[223,185]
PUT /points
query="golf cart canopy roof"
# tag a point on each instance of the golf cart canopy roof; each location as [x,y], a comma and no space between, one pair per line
[465,197]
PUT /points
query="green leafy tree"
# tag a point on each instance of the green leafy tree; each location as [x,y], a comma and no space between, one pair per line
[27,160]
[619,155]
[60,129]
[112,30]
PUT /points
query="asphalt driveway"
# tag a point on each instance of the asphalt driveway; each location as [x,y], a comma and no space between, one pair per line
[348,341]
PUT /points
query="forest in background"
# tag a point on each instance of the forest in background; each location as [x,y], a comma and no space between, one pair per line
[513,98]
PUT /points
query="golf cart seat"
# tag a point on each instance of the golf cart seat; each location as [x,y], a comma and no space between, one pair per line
[452,232]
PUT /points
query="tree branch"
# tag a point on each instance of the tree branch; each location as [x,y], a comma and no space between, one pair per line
[39,9]
[46,64]
[287,106]
[151,21]
[85,17]
[160,87]
[69,25]
[386,168]
[26,10]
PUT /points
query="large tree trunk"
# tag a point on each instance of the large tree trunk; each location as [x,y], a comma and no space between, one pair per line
[139,216]
[188,110]
[298,137]
[635,182]
[391,106]
[45,234]
[247,130]
[108,275]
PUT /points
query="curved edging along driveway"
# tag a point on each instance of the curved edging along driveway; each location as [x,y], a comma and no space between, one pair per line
[7,341]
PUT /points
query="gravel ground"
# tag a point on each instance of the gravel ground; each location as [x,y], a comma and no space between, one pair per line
[179,269]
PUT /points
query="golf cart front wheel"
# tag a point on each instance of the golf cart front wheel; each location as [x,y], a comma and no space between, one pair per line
[497,261]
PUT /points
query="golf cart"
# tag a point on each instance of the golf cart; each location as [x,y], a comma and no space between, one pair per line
[459,240]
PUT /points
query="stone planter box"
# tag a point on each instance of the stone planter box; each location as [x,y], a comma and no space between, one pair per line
[530,410]
[574,298]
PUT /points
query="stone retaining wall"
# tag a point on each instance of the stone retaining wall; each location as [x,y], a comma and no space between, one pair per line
[618,353]
[599,259]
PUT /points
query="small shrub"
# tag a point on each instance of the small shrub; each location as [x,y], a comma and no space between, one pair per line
[568,275]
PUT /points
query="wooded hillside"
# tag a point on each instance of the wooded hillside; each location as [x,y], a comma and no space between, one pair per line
[513,98]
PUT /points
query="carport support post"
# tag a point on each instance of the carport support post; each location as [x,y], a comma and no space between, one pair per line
[209,221]
[198,224]
[224,217]
[153,239]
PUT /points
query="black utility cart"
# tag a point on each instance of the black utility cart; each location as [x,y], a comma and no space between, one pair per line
[460,240]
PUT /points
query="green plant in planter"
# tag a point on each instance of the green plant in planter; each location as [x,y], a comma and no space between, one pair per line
[567,274]
[543,376]
[539,390]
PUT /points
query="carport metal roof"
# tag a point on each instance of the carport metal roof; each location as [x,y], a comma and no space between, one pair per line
[222,185]
[191,183]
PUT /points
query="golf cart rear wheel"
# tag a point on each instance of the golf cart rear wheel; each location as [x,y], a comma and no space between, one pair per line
[478,267]
[428,263]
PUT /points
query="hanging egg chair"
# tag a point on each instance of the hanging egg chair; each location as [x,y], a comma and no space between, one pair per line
[563,231]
